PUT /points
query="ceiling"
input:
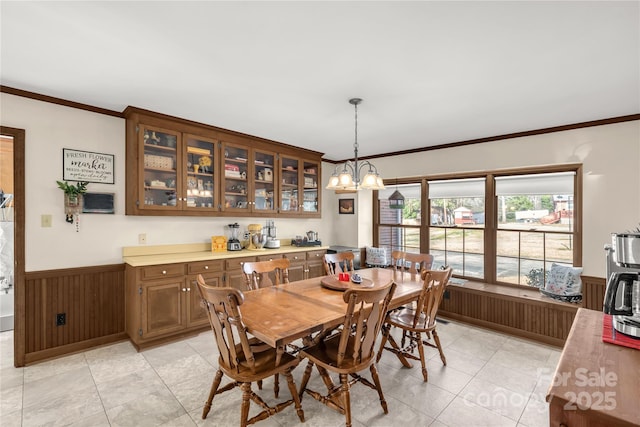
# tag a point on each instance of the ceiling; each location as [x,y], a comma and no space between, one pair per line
[430,73]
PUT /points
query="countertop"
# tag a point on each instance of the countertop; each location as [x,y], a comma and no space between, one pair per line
[595,383]
[139,256]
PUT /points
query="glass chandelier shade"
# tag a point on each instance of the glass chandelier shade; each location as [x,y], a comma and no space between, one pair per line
[347,175]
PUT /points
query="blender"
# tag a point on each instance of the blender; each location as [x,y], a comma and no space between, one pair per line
[272,242]
[233,244]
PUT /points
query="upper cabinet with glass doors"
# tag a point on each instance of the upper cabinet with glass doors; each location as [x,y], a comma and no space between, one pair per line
[299,186]
[178,167]
[249,179]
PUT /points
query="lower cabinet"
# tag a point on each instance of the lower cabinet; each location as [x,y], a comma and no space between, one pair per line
[315,264]
[297,265]
[233,276]
[163,301]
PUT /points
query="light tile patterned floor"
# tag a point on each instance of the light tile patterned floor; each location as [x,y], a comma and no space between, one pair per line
[490,379]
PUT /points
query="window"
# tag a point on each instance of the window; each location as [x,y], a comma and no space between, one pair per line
[535,226]
[400,229]
[456,229]
[497,226]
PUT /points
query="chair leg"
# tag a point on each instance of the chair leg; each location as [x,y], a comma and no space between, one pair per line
[399,352]
[276,385]
[376,381]
[386,330]
[294,394]
[422,361]
[346,398]
[214,388]
[437,341]
[305,379]
[326,378]
[244,409]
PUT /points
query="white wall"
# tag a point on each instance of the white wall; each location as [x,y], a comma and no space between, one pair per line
[610,154]
[50,128]
[611,184]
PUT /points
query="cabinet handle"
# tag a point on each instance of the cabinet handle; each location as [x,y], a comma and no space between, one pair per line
[206,267]
[188,289]
[270,259]
[164,271]
[184,289]
[295,257]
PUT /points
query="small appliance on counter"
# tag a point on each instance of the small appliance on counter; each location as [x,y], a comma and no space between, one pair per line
[257,238]
[233,244]
[311,239]
[272,242]
[622,296]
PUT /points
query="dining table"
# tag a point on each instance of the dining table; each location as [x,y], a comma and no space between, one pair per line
[279,315]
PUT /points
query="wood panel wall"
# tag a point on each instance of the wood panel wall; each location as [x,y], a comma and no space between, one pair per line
[91,297]
[547,322]
[593,292]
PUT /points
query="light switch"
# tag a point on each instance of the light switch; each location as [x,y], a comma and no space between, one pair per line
[45,221]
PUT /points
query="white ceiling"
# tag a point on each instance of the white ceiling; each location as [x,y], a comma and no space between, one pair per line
[430,73]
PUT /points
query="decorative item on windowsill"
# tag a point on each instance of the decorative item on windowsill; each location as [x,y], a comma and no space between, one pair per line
[396,200]
[349,177]
[73,200]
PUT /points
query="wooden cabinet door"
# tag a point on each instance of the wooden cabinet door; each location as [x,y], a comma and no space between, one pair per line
[315,264]
[290,177]
[236,172]
[235,279]
[196,312]
[311,184]
[163,307]
[297,265]
[160,184]
[200,181]
[264,179]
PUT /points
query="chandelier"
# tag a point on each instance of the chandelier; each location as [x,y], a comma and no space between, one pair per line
[347,175]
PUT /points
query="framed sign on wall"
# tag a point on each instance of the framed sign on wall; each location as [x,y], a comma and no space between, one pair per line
[87,166]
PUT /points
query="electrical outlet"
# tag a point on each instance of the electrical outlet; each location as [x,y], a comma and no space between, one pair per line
[45,221]
[61,319]
[142,238]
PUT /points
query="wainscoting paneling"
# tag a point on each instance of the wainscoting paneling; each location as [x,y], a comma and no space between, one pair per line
[593,292]
[92,299]
[545,321]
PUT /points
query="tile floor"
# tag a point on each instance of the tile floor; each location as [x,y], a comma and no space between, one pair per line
[491,379]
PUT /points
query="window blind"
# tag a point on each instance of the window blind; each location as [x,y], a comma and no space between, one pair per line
[536,184]
[456,188]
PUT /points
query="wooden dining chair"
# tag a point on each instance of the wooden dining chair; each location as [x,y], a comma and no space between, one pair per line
[417,321]
[259,274]
[397,260]
[416,263]
[242,359]
[349,351]
[341,262]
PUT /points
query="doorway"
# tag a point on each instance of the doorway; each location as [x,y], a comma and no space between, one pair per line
[7,231]
[12,149]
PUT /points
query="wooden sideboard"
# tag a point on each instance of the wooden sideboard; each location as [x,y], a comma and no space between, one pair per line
[162,302]
[596,384]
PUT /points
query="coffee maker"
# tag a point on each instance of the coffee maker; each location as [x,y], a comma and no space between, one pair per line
[622,296]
